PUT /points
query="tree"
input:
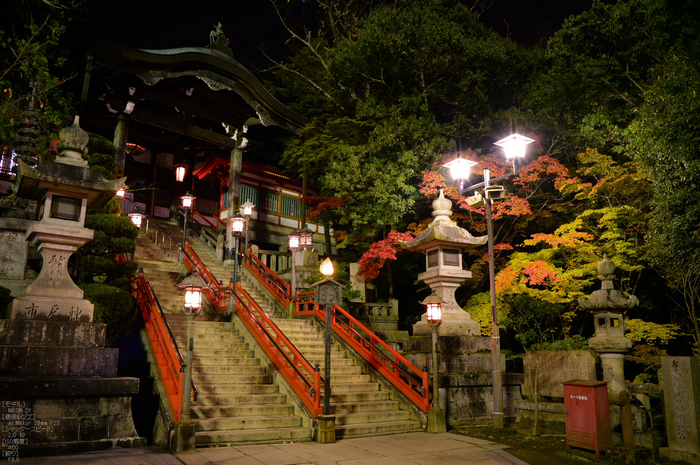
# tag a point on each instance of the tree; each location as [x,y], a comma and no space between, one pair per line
[29,54]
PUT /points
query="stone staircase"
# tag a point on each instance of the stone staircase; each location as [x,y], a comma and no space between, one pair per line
[237,402]
[361,407]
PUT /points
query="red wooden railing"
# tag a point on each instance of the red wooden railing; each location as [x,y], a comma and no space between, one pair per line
[207,221]
[279,288]
[301,376]
[170,361]
[392,365]
[305,380]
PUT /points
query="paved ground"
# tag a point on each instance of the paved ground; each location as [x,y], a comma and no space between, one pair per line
[401,449]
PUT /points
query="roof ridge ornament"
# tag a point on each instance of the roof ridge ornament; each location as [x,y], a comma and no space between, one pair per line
[219,41]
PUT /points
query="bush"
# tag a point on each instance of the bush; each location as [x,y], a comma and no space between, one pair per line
[574,342]
[114,307]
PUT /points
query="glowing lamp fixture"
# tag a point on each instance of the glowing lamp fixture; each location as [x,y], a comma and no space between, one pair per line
[193,285]
[247,209]
[180,171]
[120,193]
[514,145]
[306,240]
[460,168]
[327,268]
[237,224]
[137,216]
[187,200]
[293,240]
[434,304]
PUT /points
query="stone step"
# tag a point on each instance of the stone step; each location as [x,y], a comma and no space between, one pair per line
[372,417]
[228,361]
[341,408]
[230,370]
[207,388]
[337,378]
[352,397]
[253,436]
[241,423]
[375,429]
[204,400]
[200,378]
[247,410]
[345,388]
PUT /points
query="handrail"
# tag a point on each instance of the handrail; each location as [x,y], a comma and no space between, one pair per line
[392,365]
[280,289]
[215,292]
[304,380]
[206,220]
[171,364]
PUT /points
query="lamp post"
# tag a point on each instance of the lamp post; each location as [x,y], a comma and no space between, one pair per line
[247,213]
[436,416]
[328,293]
[184,430]
[293,242]
[514,147]
[237,226]
[187,201]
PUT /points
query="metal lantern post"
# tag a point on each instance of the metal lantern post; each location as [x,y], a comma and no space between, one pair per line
[247,213]
[293,240]
[436,416]
[187,201]
[328,293]
[184,430]
[514,147]
[237,226]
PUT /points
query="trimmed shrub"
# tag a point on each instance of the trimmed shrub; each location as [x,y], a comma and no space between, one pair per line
[114,307]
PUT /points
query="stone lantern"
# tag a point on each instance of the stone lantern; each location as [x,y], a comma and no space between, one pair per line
[608,306]
[443,242]
[64,188]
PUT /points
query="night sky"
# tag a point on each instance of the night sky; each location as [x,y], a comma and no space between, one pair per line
[252,23]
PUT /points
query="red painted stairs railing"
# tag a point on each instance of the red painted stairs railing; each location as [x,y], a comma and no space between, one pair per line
[171,364]
[301,376]
[392,365]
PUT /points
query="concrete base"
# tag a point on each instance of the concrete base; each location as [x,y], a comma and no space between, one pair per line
[436,421]
[630,455]
[184,439]
[678,455]
[326,429]
[648,440]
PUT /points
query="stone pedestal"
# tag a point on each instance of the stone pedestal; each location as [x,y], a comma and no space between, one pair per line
[54,295]
[64,381]
[14,252]
[436,421]
[455,321]
[613,366]
[326,429]
[681,391]
[184,441]
[466,392]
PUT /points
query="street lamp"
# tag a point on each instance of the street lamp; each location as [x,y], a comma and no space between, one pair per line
[328,293]
[120,193]
[247,213]
[514,147]
[187,201]
[137,216]
[180,171]
[237,226]
[436,416]
[185,430]
[306,240]
[293,242]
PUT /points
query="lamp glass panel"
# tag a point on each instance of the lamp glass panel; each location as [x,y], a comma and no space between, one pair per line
[180,173]
[434,312]
[432,258]
[238,224]
[293,242]
[450,257]
[65,208]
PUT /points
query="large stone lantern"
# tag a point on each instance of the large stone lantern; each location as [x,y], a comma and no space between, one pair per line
[65,188]
[443,242]
[608,305]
